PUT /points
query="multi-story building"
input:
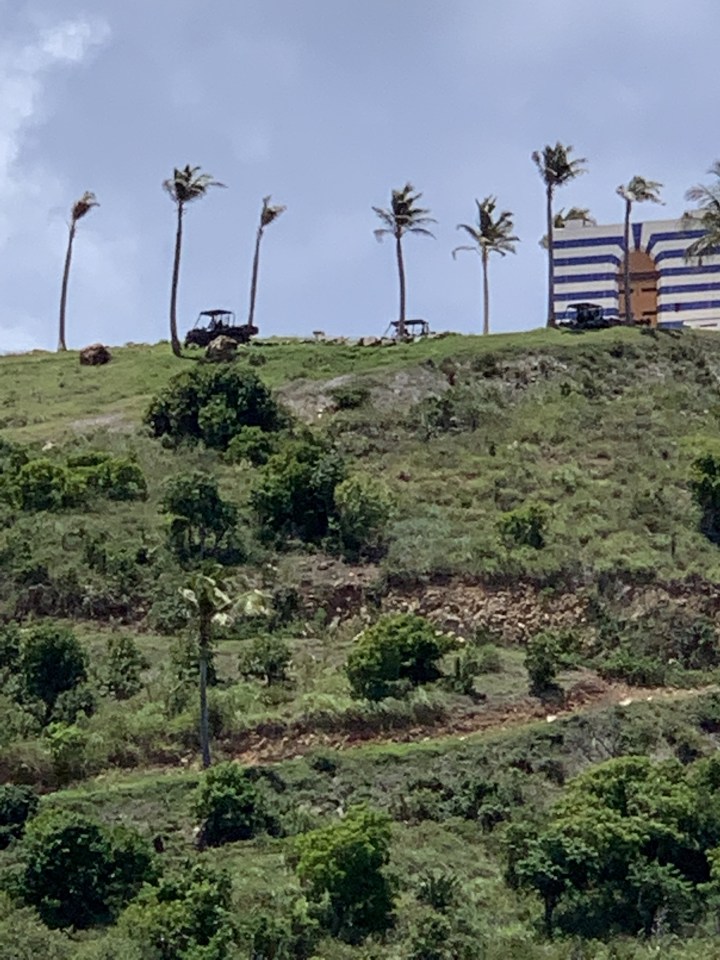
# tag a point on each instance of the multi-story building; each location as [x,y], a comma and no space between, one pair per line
[665,286]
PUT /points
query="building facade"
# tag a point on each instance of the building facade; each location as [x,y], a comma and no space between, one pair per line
[665,287]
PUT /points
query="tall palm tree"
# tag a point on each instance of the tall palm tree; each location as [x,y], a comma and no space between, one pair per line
[561,219]
[81,207]
[183,186]
[267,215]
[638,190]
[489,235]
[210,604]
[708,205]
[556,168]
[403,217]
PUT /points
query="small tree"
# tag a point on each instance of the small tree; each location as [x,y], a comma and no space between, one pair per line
[363,508]
[17,805]
[343,865]
[542,660]
[200,518]
[52,661]
[398,652]
[229,805]
[295,492]
[705,488]
[489,235]
[213,404]
[210,604]
[124,667]
[404,216]
[80,208]
[556,168]
[638,190]
[184,186]
[268,213]
[266,658]
[77,873]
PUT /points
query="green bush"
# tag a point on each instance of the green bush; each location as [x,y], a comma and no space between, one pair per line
[266,658]
[117,478]
[295,493]
[542,661]
[213,404]
[526,526]
[634,668]
[17,805]
[201,521]
[229,806]
[342,868]
[124,667]
[363,508]
[80,699]
[397,653]
[705,488]
[350,396]
[251,444]
[52,660]
[43,485]
[187,916]
[77,873]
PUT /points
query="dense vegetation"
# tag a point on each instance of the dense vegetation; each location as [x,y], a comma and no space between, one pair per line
[298,535]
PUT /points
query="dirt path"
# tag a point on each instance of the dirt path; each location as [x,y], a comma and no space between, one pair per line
[270,744]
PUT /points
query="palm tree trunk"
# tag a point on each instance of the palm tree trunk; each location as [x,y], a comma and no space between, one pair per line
[174,341]
[203,663]
[551,258]
[401,275]
[486,293]
[63,294]
[626,279]
[253,284]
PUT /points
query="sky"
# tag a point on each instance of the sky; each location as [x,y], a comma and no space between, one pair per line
[327,105]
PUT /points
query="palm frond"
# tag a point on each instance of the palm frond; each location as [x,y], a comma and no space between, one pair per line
[640,190]
[458,249]
[188,184]
[84,205]
[269,212]
[555,165]
[404,216]
[492,232]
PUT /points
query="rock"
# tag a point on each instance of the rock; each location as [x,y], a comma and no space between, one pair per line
[95,355]
[221,350]
[370,341]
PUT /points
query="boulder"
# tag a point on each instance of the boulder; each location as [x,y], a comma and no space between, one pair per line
[221,350]
[95,355]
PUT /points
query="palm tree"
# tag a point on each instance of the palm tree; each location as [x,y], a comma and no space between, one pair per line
[561,219]
[403,217]
[489,235]
[638,190]
[556,169]
[206,596]
[183,187]
[267,215]
[82,206]
[708,201]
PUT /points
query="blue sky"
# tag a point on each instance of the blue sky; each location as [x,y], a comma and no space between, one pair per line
[326,105]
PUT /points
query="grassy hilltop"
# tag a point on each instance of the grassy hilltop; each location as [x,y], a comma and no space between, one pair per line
[540,514]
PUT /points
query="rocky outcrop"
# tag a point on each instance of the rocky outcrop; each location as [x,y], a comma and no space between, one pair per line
[221,350]
[95,355]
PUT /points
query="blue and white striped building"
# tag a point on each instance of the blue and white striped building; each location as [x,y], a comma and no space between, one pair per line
[665,286]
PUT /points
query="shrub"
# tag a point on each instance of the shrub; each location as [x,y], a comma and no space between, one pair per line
[213,404]
[633,667]
[51,662]
[77,873]
[398,652]
[71,703]
[525,526]
[200,519]
[68,748]
[350,396]
[124,667]
[251,444]
[44,485]
[186,917]
[295,494]
[438,889]
[542,660]
[9,646]
[705,488]
[266,658]
[117,478]
[229,805]
[363,508]
[17,805]
[342,868]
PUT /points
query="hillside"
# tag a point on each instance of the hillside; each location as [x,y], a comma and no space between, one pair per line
[529,495]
